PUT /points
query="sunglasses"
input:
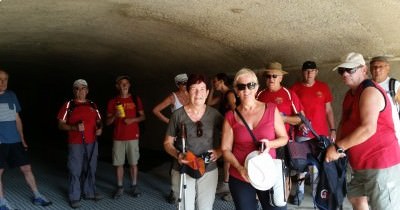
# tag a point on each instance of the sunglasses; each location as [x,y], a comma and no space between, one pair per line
[181,83]
[269,76]
[250,86]
[199,131]
[341,70]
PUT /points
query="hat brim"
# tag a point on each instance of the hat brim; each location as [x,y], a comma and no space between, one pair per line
[260,169]
[281,71]
[346,65]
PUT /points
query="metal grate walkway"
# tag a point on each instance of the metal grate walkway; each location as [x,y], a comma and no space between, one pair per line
[51,177]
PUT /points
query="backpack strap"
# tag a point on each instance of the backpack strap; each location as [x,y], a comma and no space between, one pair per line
[71,105]
[392,91]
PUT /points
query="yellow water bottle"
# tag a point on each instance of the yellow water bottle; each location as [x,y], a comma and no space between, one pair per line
[120,109]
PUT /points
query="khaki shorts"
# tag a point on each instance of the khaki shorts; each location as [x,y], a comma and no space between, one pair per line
[381,186]
[128,149]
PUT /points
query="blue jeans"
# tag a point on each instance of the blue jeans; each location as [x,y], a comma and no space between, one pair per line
[244,196]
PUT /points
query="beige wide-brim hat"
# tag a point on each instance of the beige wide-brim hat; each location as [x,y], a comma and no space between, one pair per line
[275,67]
[261,170]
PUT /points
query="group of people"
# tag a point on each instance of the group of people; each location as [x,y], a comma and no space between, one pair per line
[81,118]
[368,133]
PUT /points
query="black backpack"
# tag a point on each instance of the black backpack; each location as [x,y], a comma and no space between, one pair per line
[72,105]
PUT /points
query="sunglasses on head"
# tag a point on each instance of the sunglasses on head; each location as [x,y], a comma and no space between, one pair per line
[269,76]
[341,70]
[199,131]
[250,86]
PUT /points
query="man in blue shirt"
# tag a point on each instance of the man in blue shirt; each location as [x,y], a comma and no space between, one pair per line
[13,147]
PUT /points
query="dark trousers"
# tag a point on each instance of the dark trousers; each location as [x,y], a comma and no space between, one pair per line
[79,173]
[244,196]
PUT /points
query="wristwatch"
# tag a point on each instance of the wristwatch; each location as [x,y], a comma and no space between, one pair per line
[338,149]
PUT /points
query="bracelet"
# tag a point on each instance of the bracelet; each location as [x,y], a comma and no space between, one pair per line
[333,129]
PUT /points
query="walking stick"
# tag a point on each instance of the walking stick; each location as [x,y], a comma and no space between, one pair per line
[182,184]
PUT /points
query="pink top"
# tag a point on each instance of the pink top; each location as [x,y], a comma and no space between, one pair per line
[242,140]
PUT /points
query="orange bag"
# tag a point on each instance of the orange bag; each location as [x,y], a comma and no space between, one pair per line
[196,166]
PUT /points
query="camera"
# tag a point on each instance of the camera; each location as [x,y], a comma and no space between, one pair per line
[207,157]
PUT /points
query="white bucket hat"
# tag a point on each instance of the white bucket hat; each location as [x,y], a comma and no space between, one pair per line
[261,170]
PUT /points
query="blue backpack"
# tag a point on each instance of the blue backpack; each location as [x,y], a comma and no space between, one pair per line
[331,187]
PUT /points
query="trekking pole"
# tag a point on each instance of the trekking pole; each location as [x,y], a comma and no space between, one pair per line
[86,173]
[85,156]
[182,184]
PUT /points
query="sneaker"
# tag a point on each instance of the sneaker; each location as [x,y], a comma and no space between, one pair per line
[135,191]
[41,201]
[119,192]
[75,204]
[227,197]
[96,197]
[6,206]
[223,187]
[171,198]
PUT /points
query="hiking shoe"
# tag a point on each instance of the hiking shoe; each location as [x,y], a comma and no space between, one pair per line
[223,187]
[135,191]
[119,192]
[227,197]
[96,197]
[171,198]
[75,204]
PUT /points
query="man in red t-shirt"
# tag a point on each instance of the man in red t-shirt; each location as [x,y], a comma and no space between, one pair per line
[125,111]
[81,118]
[316,99]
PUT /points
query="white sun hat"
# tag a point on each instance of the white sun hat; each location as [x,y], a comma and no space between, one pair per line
[261,170]
[352,60]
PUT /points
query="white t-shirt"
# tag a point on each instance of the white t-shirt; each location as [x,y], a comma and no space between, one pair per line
[395,106]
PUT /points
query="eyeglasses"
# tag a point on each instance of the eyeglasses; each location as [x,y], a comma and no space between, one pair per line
[181,83]
[250,86]
[269,76]
[341,70]
[199,131]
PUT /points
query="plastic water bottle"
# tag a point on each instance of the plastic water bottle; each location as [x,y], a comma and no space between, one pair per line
[120,109]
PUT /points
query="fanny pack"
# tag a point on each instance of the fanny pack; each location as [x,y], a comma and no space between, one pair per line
[196,166]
